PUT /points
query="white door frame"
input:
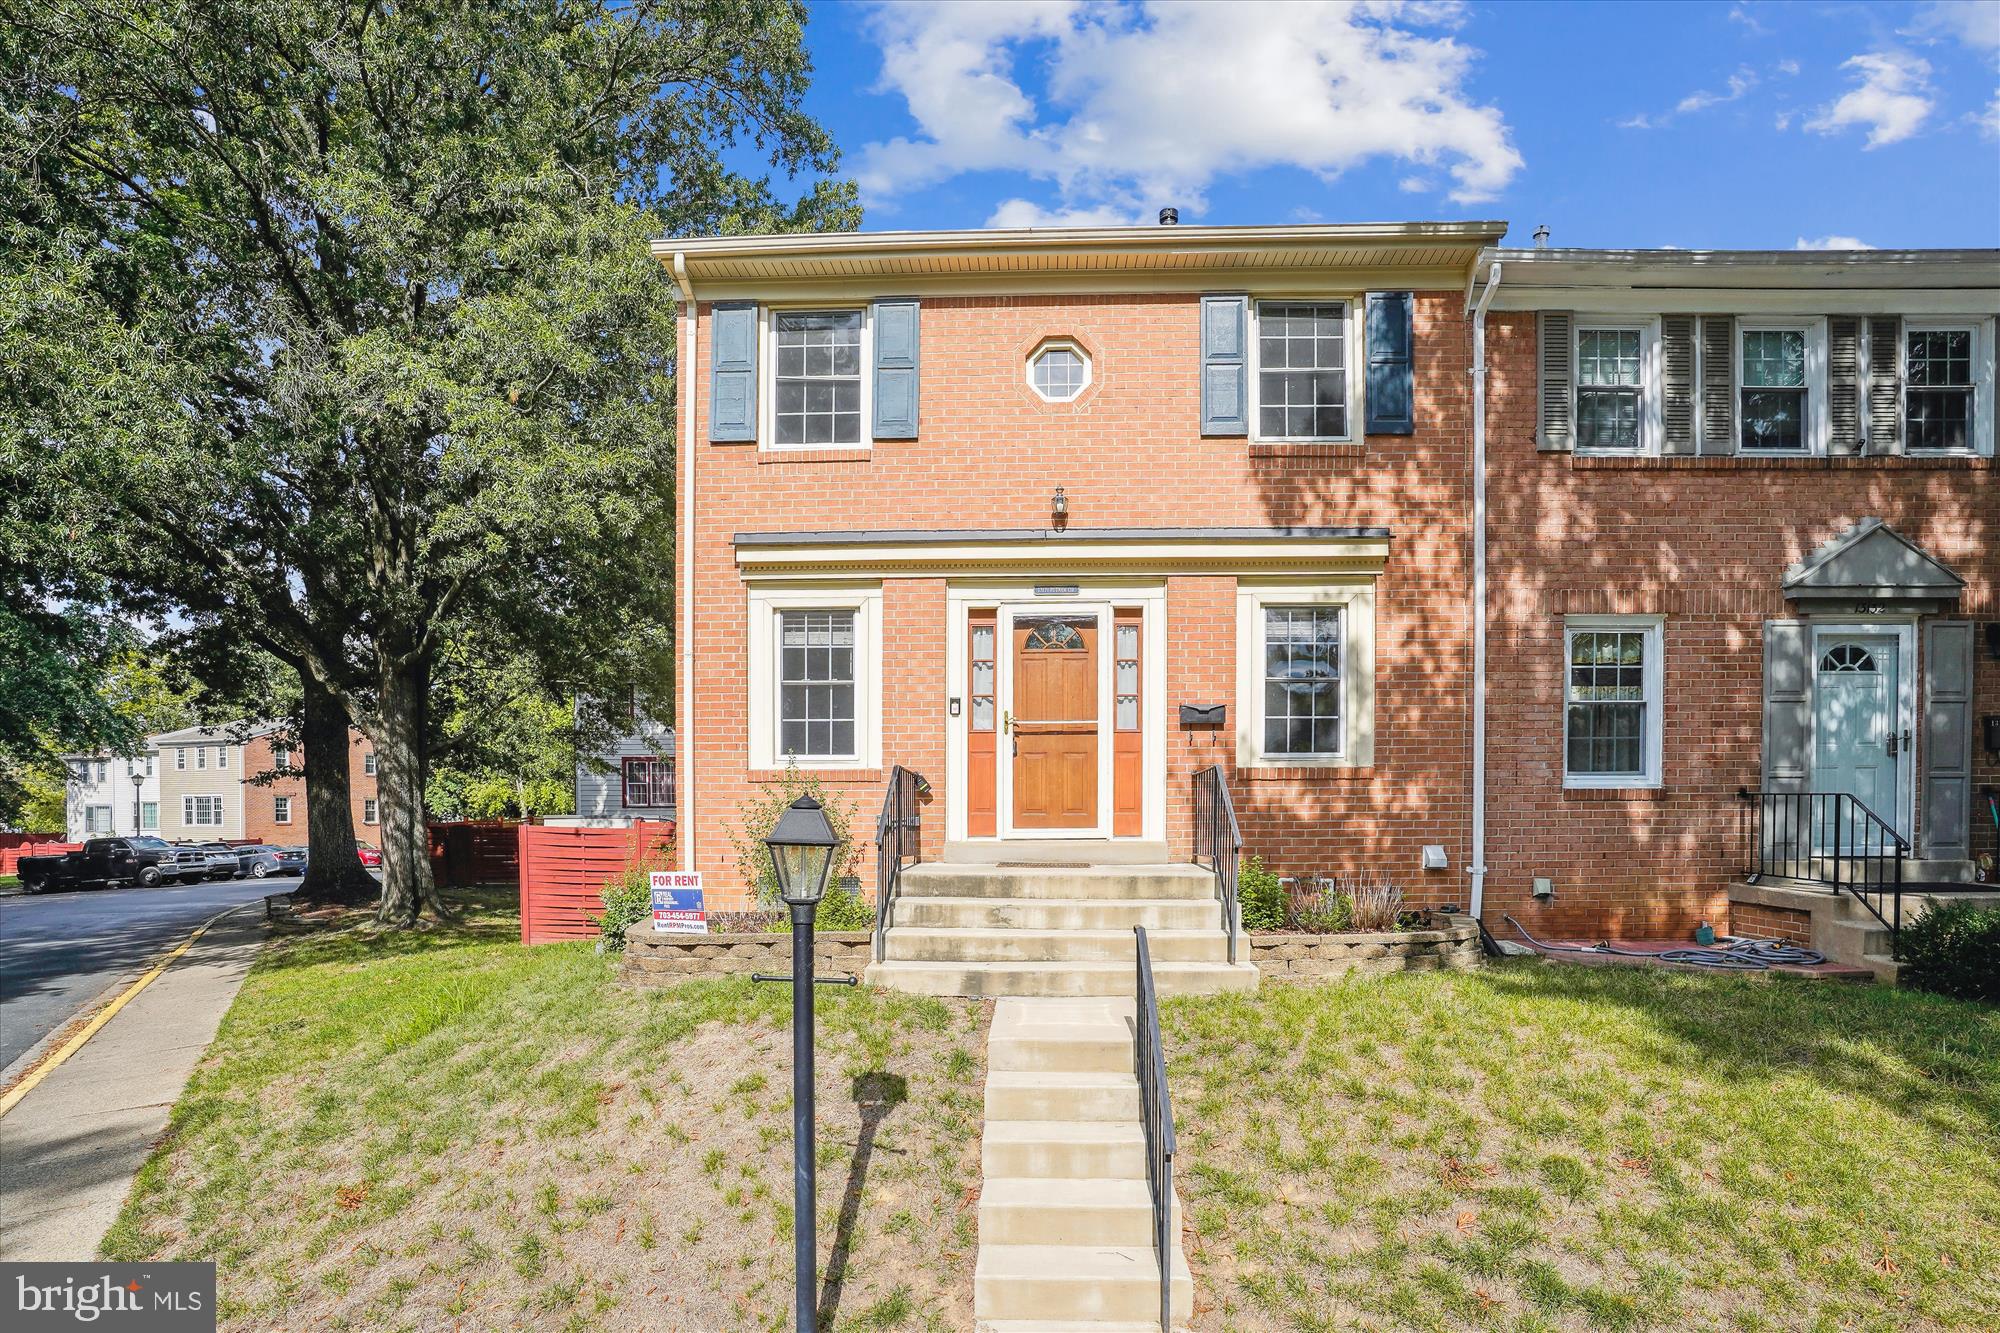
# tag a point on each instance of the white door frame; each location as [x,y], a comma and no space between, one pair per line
[1904,631]
[1101,596]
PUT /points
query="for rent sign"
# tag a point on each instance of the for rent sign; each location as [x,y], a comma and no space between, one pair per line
[156,1298]
[677,904]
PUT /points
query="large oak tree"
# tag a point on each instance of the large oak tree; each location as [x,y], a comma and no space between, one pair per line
[333,322]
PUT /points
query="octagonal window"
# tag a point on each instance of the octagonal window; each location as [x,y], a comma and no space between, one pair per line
[1058,371]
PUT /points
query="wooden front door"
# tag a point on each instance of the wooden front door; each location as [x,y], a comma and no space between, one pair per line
[1054,723]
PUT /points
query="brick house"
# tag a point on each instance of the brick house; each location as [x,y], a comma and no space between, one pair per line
[1058,519]
[241,781]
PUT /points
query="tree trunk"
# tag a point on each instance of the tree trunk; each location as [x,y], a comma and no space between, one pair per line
[333,873]
[407,887]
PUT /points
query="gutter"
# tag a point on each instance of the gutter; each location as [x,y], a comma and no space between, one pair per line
[1478,867]
[687,359]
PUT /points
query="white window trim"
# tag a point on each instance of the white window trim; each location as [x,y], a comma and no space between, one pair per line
[201,757]
[1981,424]
[222,758]
[1353,302]
[1654,628]
[188,811]
[371,811]
[767,374]
[180,758]
[281,809]
[370,765]
[1058,345]
[1356,600]
[1652,408]
[149,825]
[765,604]
[1818,425]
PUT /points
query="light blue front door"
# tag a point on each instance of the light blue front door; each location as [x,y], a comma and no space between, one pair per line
[1856,747]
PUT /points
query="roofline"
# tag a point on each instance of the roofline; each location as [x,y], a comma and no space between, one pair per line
[1044,239]
[921,536]
[1701,258]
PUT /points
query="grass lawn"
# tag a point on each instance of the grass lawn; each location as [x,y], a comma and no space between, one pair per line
[445,1129]
[1536,1146]
[10,881]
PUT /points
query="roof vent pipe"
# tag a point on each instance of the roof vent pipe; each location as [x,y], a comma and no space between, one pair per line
[1170,217]
[1542,237]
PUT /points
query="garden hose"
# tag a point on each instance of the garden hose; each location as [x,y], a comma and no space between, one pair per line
[1740,955]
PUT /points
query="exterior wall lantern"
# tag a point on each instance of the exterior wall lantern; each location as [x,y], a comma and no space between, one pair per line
[802,845]
[1059,507]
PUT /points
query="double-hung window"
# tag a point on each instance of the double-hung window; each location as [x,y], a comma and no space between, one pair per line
[1774,397]
[371,811]
[281,809]
[1302,681]
[149,816]
[1302,381]
[818,386]
[368,763]
[1939,394]
[1610,372]
[201,756]
[649,782]
[201,811]
[816,684]
[1612,703]
[222,756]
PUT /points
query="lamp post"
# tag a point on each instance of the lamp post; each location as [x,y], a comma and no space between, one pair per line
[802,847]
[138,806]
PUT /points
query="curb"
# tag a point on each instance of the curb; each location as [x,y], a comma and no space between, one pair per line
[34,1076]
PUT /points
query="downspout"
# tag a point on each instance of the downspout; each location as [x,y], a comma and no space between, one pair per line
[686,362]
[1478,867]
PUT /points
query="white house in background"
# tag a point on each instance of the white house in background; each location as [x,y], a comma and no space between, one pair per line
[632,778]
[107,795]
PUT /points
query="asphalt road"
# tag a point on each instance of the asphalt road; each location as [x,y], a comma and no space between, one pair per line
[59,950]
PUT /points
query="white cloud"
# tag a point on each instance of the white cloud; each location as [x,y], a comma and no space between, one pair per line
[1787,67]
[1147,106]
[1892,99]
[1028,213]
[1736,86]
[1738,14]
[1415,184]
[1831,243]
[1988,120]
[1783,120]
[1973,23]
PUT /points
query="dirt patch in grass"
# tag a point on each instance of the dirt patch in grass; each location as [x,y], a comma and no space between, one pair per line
[1548,1147]
[444,1129]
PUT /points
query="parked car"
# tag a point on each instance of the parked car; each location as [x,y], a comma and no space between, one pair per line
[102,862]
[370,854]
[263,862]
[222,861]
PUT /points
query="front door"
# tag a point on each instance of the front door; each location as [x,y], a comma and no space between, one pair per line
[1857,748]
[1053,723]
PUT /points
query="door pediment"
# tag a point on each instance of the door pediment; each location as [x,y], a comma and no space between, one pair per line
[1872,566]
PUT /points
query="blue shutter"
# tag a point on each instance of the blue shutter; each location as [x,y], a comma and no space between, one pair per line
[896,349]
[1225,366]
[1391,392]
[732,376]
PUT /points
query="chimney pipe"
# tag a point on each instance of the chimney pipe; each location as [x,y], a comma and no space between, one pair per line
[1170,217]
[1542,237]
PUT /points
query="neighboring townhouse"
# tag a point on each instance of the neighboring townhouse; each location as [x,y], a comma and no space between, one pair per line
[1057,519]
[107,794]
[246,781]
[1745,536]
[631,778]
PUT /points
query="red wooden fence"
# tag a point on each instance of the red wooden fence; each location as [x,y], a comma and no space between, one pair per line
[10,856]
[564,870]
[475,852]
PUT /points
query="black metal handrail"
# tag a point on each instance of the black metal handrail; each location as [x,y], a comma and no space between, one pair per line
[1217,837]
[1833,839]
[1156,1113]
[899,838]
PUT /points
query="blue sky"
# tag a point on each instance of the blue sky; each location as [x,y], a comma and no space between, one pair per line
[1740,125]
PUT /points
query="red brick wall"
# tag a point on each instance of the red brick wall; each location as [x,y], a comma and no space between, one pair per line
[1703,542]
[1128,452]
[1771,923]
[260,801]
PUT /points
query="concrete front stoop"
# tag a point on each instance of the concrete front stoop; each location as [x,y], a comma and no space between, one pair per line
[1065,1213]
[1006,929]
[1840,926]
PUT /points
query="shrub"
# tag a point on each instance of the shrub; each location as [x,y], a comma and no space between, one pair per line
[628,900]
[1954,949]
[843,908]
[759,815]
[1377,901]
[1317,907]
[1259,896]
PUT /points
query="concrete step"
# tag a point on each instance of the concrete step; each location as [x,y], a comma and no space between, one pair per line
[1852,940]
[1085,1051]
[1073,1325]
[995,980]
[1165,881]
[1885,968]
[1070,1285]
[984,945]
[1057,851]
[1063,1149]
[1013,1094]
[1078,1211]
[1057,913]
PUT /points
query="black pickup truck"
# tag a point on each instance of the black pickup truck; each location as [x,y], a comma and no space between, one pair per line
[103,862]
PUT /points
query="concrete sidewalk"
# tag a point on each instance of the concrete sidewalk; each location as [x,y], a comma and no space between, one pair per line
[70,1149]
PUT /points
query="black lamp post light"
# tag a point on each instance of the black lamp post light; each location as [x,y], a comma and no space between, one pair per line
[802,847]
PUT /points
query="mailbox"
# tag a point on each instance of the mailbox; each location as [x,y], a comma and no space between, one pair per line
[1204,715]
[1990,729]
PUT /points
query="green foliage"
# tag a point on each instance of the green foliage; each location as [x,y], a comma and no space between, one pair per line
[1954,949]
[757,816]
[1260,896]
[844,909]
[628,900]
[1321,912]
